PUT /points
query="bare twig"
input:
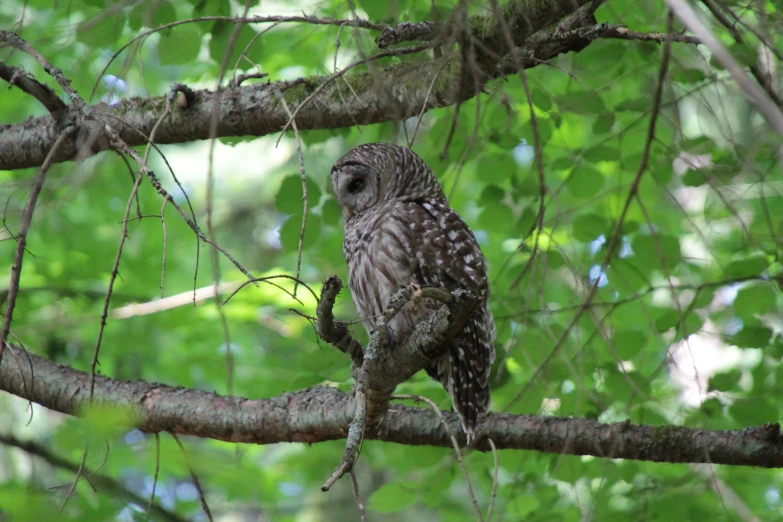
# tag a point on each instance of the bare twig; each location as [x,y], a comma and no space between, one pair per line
[16,77]
[341,72]
[118,143]
[614,241]
[17,42]
[457,452]
[357,496]
[752,89]
[496,468]
[194,478]
[114,271]
[21,241]
[356,22]
[99,482]
[305,201]
[154,477]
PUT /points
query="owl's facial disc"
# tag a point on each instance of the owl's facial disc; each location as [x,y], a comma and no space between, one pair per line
[354,186]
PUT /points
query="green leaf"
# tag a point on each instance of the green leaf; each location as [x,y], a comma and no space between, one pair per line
[391,497]
[496,167]
[292,228]
[748,267]
[753,412]
[633,105]
[151,13]
[289,197]
[491,195]
[588,227]
[541,99]
[585,182]
[684,75]
[656,251]
[693,178]
[579,101]
[755,299]
[724,382]
[751,336]
[218,45]
[604,123]
[179,45]
[331,211]
[522,505]
[602,152]
[628,343]
[104,30]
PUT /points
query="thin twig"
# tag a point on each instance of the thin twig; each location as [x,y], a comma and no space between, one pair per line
[357,496]
[194,478]
[455,444]
[617,235]
[17,42]
[165,243]
[118,143]
[356,22]
[341,72]
[752,89]
[304,190]
[21,241]
[496,468]
[154,477]
[114,271]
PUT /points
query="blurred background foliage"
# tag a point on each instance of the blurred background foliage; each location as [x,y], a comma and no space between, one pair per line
[685,327]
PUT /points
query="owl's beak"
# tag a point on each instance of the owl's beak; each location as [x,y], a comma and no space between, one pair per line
[347,212]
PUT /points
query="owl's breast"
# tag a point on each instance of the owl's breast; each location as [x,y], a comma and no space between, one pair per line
[380,262]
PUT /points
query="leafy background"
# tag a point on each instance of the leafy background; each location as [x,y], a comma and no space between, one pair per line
[685,327]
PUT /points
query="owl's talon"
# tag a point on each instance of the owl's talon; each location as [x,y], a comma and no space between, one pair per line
[416,294]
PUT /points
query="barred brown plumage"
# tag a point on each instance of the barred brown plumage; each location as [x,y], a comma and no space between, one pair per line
[399,229]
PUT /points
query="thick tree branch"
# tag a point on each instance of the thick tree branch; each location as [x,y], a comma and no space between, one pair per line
[391,94]
[320,413]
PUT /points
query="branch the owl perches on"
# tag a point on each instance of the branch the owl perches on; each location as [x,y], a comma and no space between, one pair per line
[380,367]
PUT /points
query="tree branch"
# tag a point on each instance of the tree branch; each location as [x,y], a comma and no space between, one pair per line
[16,77]
[321,413]
[100,481]
[394,93]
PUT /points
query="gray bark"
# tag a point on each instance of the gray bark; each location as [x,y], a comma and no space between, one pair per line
[320,413]
[390,94]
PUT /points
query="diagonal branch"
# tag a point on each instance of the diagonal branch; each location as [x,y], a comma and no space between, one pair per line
[16,41]
[17,77]
[99,480]
[321,413]
[393,93]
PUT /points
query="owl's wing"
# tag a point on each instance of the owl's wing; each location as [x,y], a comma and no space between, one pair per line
[448,255]
[446,251]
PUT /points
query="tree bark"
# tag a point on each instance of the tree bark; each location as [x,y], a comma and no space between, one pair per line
[393,93]
[321,413]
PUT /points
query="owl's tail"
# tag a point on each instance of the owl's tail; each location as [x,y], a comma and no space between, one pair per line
[464,370]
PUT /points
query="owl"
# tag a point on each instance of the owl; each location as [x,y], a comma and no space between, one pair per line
[400,230]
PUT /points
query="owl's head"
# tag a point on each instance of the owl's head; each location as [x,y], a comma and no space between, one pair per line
[377,172]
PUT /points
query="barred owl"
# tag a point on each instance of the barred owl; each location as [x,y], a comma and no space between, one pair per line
[399,230]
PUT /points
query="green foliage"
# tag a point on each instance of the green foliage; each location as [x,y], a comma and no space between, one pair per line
[683,327]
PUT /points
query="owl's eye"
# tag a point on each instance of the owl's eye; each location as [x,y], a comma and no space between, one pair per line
[356,185]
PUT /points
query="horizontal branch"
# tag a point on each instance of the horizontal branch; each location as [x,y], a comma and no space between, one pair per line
[393,93]
[321,413]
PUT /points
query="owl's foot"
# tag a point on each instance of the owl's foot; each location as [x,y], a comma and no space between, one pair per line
[416,294]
